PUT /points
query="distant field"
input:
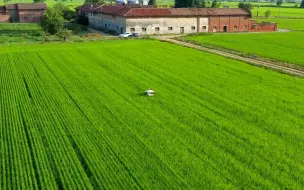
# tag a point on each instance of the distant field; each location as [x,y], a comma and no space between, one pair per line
[71,4]
[293,24]
[279,12]
[235,4]
[73,116]
[286,47]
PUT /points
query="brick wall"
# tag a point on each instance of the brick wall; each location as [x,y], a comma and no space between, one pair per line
[4,17]
[229,24]
[264,27]
[30,15]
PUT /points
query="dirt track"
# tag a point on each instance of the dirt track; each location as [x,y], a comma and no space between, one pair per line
[271,65]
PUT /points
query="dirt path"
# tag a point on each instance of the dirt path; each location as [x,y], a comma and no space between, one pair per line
[271,65]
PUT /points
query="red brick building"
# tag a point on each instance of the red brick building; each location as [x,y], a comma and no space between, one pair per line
[22,12]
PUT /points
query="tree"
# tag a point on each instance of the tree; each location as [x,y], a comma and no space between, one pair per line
[279,2]
[204,4]
[302,4]
[38,1]
[197,4]
[94,1]
[152,2]
[268,13]
[67,13]
[248,6]
[52,21]
[214,4]
[63,34]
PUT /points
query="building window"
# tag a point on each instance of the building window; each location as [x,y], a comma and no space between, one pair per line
[144,29]
[192,27]
[246,27]
[170,28]
[235,27]
[132,29]
[156,29]
[215,27]
[204,27]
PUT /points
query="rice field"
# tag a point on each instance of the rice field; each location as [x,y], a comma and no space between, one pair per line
[73,116]
[285,47]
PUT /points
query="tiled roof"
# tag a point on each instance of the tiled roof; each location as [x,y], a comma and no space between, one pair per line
[27,6]
[109,9]
[175,12]
[140,11]
[10,6]
[89,7]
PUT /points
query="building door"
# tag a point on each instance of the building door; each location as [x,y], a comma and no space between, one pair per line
[181,30]
[224,28]
[106,27]
[121,30]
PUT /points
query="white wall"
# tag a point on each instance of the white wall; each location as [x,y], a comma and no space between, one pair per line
[122,24]
[164,23]
[109,22]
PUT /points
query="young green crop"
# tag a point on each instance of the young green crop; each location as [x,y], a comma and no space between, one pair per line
[284,47]
[77,116]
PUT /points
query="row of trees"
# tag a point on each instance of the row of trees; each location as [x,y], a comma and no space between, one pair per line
[196,3]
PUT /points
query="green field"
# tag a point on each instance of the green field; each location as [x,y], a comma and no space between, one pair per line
[292,24]
[73,116]
[285,47]
[279,12]
[16,33]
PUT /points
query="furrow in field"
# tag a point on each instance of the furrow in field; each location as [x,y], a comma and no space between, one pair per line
[113,178]
[61,64]
[67,183]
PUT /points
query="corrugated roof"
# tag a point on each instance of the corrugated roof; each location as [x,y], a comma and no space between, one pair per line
[140,11]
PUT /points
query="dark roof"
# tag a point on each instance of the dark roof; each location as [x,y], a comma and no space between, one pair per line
[2,9]
[89,7]
[10,6]
[27,6]
[141,11]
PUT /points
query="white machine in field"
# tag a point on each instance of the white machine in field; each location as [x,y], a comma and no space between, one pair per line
[149,92]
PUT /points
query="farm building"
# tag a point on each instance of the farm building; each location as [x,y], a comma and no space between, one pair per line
[22,12]
[150,20]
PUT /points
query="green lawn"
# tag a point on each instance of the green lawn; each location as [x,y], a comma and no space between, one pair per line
[292,24]
[286,47]
[73,116]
